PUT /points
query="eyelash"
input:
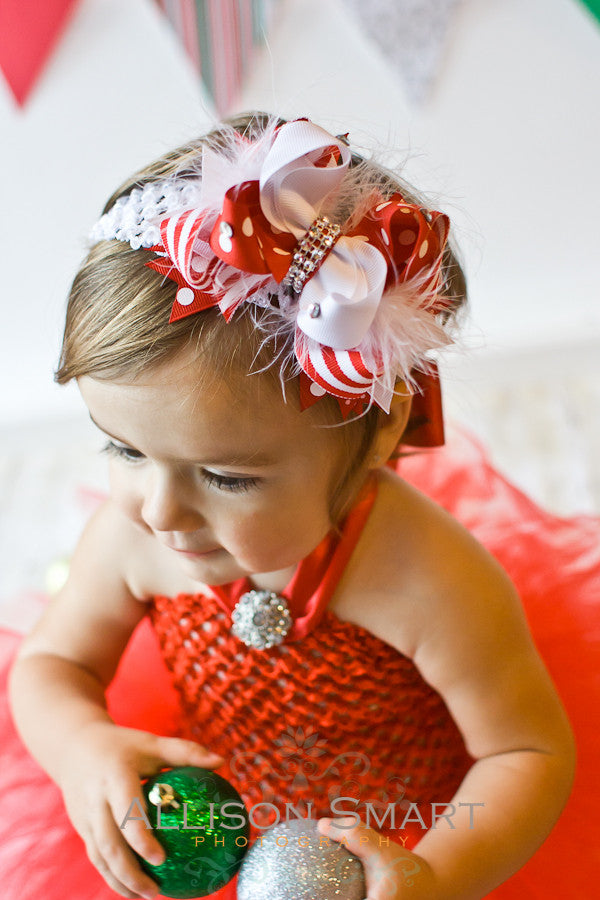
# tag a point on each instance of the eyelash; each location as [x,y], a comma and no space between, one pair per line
[229,483]
[212,479]
[121,452]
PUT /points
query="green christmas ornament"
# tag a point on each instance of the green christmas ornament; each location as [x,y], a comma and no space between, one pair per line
[201,821]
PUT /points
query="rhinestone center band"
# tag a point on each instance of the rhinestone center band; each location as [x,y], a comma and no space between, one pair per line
[311,252]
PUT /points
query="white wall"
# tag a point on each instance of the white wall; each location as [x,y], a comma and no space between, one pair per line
[507,143]
[116,93]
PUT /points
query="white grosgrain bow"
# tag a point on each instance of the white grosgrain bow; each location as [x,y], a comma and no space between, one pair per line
[303,168]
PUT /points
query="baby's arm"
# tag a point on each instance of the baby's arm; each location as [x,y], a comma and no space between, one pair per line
[57,693]
[469,640]
[481,659]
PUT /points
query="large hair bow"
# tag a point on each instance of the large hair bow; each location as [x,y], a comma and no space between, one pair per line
[365,315]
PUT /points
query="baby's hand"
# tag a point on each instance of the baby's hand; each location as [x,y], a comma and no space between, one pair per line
[100,779]
[391,872]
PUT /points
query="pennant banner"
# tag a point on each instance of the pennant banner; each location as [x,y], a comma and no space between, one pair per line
[410,33]
[593,6]
[220,37]
[29,30]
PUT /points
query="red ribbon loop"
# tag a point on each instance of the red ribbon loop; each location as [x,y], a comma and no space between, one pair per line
[244,238]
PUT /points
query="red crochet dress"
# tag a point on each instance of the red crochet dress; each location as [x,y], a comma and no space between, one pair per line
[331,712]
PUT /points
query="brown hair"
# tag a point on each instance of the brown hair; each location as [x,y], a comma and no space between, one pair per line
[117,321]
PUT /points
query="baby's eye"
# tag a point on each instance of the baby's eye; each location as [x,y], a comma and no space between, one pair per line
[122,451]
[229,482]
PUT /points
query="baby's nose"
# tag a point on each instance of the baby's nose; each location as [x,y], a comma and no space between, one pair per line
[168,503]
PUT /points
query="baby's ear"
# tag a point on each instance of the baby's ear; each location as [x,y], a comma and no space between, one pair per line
[391,427]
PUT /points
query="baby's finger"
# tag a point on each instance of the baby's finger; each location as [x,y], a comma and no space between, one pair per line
[179,752]
[388,866]
[127,804]
[358,838]
[114,860]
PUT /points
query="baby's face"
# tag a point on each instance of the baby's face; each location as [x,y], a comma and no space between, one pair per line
[231,478]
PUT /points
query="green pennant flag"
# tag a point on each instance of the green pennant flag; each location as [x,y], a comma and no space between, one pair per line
[594,7]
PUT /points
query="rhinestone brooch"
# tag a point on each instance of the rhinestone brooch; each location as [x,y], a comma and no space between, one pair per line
[261,619]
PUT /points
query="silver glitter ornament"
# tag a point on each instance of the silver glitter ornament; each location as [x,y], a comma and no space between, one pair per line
[261,619]
[295,862]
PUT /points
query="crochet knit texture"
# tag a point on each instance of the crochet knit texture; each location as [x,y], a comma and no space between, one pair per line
[336,713]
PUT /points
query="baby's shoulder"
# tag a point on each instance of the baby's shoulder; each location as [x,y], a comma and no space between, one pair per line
[107,545]
[113,548]
[414,565]
[413,537]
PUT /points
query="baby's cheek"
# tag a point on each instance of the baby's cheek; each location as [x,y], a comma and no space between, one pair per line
[126,494]
[255,541]
[278,539]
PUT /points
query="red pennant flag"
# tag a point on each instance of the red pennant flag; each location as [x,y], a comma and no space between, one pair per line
[29,29]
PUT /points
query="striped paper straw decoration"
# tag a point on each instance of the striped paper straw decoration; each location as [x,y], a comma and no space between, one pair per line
[219,36]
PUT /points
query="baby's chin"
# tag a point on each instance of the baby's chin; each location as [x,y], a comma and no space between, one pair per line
[216,567]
